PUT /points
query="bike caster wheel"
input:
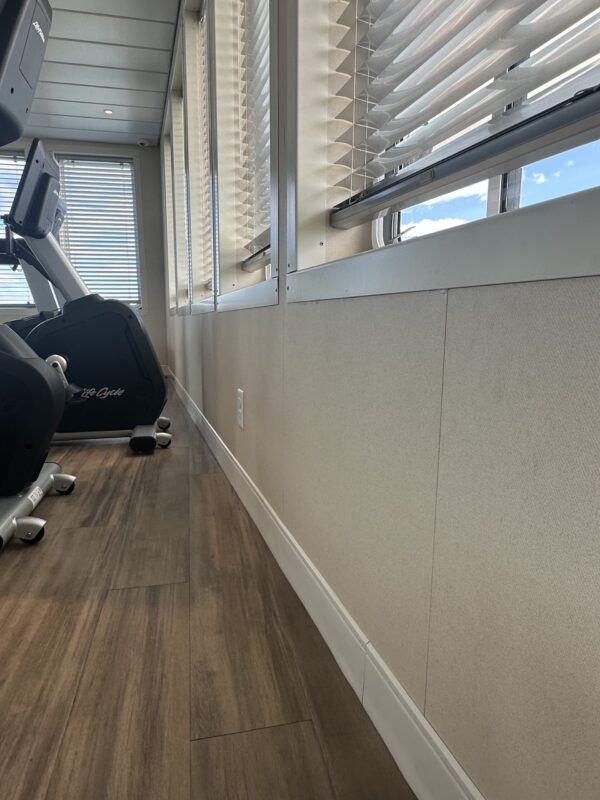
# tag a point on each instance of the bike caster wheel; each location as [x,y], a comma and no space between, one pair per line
[37,538]
[63,483]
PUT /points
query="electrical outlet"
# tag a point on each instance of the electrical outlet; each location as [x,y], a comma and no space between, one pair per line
[240,408]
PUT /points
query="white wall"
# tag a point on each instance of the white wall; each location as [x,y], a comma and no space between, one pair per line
[436,456]
[147,161]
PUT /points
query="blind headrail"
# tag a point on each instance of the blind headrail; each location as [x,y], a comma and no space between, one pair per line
[583,106]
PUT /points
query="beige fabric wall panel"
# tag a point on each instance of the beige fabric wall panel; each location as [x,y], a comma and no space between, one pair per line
[215,354]
[248,354]
[173,357]
[513,682]
[362,400]
[189,354]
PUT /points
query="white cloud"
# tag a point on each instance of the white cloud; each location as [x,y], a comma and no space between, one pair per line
[570,163]
[475,190]
[556,174]
[539,177]
[425,226]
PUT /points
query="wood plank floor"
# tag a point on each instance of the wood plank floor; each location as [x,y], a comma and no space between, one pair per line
[151,649]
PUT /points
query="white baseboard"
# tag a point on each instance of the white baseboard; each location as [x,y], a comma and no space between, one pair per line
[425,761]
[429,767]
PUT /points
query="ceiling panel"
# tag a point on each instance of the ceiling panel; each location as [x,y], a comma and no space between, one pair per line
[100,124]
[84,136]
[96,111]
[115,30]
[103,95]
[101,76]
[156,10]
[112,55]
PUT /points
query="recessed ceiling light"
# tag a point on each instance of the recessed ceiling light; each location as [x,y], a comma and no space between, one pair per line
[108,111]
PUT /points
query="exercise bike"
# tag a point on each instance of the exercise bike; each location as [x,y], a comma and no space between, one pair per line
[106,347]
[33,393]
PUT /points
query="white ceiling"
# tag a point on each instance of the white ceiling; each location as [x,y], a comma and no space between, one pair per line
[103,54]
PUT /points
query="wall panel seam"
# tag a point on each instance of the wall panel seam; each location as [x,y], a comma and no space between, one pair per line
[435,505]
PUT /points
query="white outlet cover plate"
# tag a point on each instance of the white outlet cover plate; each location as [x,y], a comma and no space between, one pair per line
[240,408]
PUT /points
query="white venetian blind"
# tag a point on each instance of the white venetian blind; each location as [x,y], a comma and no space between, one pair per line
[169,227]
[203,274]
[14,290]
[100,233]
[197,118]
[255,122]
[413,77]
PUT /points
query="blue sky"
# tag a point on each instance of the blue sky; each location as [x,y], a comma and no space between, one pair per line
[572,171]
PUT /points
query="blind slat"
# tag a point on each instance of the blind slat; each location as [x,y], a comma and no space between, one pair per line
[99,233]
[255,169]
[420,75]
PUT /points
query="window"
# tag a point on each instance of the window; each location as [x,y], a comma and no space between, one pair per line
[198,157]
[406,117]
[567,172]
[170,254]
[424,98]
[216,154]
[14,290]
[99,233]
[181,208]
[242,52]
[571,171]
[188,171]
[446,211]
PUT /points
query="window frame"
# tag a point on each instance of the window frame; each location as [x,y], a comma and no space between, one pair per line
[98,151]
[393,268]
[133,158]
[390,269]
[266,292]
[176,86]
[517,129]
[168,233]
[114,153]
[180,210]
[190,35]
[437,261]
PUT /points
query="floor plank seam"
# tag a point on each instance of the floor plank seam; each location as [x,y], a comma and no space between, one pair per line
[146,586]
[77,690]
[252,730]
[324,756]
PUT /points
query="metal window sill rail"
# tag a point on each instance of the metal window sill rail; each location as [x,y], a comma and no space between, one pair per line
[531,244]
[205,306]
[259,295]
[478,159]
